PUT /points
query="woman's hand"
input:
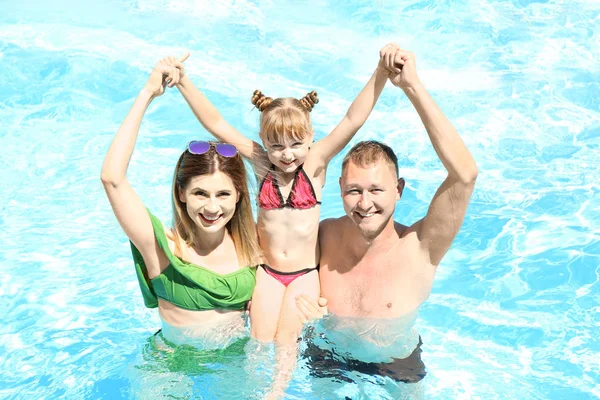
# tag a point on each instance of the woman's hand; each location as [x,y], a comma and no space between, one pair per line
[310,309]
[167,72]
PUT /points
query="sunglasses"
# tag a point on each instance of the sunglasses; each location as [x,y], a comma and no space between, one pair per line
[201,147]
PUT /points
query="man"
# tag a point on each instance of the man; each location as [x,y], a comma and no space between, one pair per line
[375,272]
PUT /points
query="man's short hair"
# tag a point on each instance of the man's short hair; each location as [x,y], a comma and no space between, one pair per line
[369,152]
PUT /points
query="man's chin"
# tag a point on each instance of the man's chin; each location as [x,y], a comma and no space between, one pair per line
[371,224]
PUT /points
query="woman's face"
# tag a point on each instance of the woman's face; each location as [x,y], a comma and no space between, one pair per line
[210,201]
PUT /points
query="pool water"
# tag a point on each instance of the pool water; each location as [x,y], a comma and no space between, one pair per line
[515,309]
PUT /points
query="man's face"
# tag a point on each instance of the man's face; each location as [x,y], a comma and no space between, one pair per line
[369,194]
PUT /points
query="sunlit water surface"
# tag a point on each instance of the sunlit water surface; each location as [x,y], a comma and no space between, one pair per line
[514,311]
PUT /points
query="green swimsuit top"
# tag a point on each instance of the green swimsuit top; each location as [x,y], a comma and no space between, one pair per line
[191,286]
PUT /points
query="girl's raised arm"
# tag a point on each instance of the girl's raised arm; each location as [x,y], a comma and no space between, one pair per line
[212,120]
[327,148]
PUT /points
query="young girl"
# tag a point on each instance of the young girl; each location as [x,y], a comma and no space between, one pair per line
[291,171]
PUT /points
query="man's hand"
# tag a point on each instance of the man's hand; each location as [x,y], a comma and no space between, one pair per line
[401,64]
[310,309]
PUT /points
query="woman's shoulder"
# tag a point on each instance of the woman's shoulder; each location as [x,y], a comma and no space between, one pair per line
[172,238]
[169,233]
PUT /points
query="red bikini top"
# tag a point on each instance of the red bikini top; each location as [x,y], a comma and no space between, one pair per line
[302,195]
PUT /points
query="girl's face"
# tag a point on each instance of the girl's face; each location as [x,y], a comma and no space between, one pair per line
[210,201]
[288,154]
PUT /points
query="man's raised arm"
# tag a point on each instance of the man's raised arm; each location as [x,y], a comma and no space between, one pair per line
[449,205]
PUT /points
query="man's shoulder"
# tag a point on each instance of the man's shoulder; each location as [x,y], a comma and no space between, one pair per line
[409,236]
[402,230]
[332,230]
[332,223]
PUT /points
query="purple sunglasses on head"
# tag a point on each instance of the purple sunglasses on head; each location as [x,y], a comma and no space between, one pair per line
[201,147]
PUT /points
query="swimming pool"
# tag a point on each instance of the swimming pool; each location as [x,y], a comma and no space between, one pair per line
[514,312]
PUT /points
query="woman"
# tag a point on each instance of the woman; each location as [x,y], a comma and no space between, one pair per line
[201,273]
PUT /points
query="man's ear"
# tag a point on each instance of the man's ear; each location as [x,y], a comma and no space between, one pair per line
[400,188]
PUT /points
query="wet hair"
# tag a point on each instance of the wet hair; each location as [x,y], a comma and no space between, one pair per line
[241,227]
[369,152]
[284,118]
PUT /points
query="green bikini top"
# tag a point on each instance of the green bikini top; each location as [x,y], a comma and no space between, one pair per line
[191,286]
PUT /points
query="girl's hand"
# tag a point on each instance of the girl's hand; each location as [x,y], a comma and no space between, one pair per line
[402,66]
[386,58]
[167,71]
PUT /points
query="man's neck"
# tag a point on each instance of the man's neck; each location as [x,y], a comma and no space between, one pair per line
[377,241]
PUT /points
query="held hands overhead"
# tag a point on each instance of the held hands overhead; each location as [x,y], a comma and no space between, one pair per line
[401,64]
[167,72]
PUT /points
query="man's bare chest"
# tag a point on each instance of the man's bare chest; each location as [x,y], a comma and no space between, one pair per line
[381,287]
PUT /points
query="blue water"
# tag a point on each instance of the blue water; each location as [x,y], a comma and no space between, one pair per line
[515,309]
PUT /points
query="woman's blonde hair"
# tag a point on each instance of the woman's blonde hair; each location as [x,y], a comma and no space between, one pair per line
[284,118]
[241,227]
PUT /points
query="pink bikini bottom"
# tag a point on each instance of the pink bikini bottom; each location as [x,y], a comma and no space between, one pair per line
[287,277]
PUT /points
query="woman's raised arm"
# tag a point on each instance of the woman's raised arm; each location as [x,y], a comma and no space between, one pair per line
[126,204]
